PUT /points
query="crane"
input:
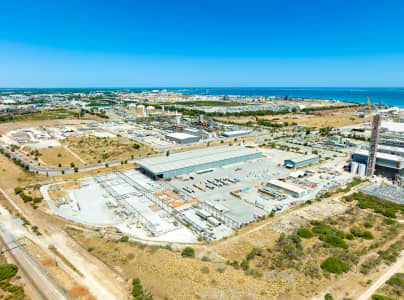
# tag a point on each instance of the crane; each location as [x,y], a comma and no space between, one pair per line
[370,111]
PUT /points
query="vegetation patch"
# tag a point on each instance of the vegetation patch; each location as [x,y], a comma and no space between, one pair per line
[386,208]
[305,233]
[335,265]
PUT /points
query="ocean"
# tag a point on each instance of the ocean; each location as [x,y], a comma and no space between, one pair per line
[390,96]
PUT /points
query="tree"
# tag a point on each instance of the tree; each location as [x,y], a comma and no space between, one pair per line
[328,296]
[188,252]
[334,265]
[168,153]
[8,271]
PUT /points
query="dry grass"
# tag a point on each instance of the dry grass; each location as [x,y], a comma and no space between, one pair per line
[169,276]
[94,149]
[53,156]
[332,120]
[12,175]
[335,120]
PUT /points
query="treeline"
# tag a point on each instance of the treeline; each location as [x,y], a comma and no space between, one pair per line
[90,112]
[211,103]
[196,112]
[316,109]
[18,162]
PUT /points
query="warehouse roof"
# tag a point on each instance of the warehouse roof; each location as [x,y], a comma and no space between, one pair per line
[393,126]
[235,132]
[192,158]
[287,186]
[180,135]
[303,158]
[391,157]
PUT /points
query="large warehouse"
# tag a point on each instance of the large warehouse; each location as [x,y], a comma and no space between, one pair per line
[290,189]
[388,165]
[182,138]
[196,160]
[301,161]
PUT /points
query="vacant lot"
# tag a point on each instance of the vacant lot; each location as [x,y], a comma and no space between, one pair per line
[167,275]
[319,121]
[5,127]
[53,156]
[95,149]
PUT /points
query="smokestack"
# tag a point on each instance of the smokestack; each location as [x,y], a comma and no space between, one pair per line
[374,140]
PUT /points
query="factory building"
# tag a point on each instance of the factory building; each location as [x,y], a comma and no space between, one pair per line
[235,133]
[182,138]
[399,151]
[301,161]
[290,189]
[192,131]
[387,165]
[196,160]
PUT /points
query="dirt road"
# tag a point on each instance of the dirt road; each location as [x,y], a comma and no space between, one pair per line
[97,277]
[33,273]
[390,272]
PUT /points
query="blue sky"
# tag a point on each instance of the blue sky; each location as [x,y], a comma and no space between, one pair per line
[201,43]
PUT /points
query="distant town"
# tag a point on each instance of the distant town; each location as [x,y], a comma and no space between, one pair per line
[290,196]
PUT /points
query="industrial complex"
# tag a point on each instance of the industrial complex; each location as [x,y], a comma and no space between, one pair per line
[196,160]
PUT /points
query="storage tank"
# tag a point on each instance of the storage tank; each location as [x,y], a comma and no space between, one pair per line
[361,169]
[354,168]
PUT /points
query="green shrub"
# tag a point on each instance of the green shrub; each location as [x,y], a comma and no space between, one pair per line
[380,297]
[349,236]
[333,241]
[254,252]
[305,233]
[8,271]
[328,296]
[124,239]
[188,252]
[367,235]
[389,221]
[245,265]
[18,190]
[334,265]
[397,280]
[367,225]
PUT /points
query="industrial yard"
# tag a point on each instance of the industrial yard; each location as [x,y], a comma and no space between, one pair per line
[149,182]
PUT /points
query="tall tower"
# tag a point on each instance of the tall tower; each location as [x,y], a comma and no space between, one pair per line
[374,140]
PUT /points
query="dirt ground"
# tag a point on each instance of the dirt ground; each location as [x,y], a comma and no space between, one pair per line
[53,156]
[53,268]
[318,121]
[167,275]
[11,175]
[5,127]
[93,149]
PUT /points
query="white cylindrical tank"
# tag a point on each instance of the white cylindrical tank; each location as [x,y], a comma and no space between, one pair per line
[354,167]
[361,169]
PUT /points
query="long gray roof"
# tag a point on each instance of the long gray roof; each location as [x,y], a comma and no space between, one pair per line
[303,158]
[186,159]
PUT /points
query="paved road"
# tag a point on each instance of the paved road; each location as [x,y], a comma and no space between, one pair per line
[390,272]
